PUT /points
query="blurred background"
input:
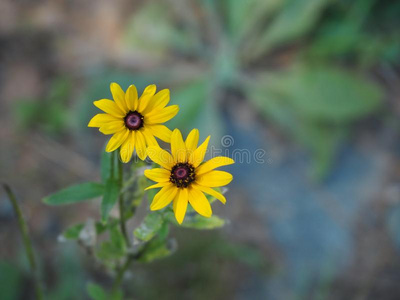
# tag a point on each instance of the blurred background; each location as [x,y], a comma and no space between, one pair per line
[315,84]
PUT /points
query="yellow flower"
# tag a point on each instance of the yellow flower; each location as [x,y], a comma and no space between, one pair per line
[183,177]
[134,123]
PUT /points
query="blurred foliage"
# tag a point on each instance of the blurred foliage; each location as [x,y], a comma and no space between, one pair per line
[202,268]
[50,113]
[71,276]
[316,105]
[309,93]
[66,280]
[10,281]
[304,65]
[96,292]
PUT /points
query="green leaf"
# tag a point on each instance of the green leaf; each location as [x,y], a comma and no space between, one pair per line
[110,197]
[101,227]
[319,94]
[156,250]
[165,34]
[115,247]
[96,292]
[72,233]
[107,252]
[75,193]
[149,227]
[316,106]
[240,25]
[296,19]
[326,94]
[158,247]
[117,295]
[117,239]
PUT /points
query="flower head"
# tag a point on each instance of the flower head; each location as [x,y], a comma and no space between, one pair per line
[183,178]
[134,122]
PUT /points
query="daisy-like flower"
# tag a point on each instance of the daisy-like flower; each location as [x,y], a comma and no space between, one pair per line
[183,178]
[134,122]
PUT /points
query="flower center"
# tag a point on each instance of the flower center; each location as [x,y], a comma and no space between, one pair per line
[133,120]
[182,175]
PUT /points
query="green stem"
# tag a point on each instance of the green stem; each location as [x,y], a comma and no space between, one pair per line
[121,204]
[26,240]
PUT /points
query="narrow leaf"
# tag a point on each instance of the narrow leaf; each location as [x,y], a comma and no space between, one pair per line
[75,193]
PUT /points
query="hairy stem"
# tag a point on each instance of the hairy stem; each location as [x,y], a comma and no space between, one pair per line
[26,240]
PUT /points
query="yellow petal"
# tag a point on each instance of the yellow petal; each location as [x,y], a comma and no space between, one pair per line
[158,101]
[197,156]
[164,197]
[148,93]
[140,145]
[157,185]
[127,148]
[213,163]
[116,140]
[109,107]
[100,119]
[161,115]
[149,137]
[214,178]
[160,131]
[161,157]
[199,202]
[211,192]
[112,127]
[158,174]
[131,98]
[191,141]
[119,96]
[180,204]
[178,148]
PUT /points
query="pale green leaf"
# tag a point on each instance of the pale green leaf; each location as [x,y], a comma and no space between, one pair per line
[157,249]
[72,233]
[149,227]
[195,221]
[199,222]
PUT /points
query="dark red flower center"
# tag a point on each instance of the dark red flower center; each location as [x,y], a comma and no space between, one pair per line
[133,120]
[182,175]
